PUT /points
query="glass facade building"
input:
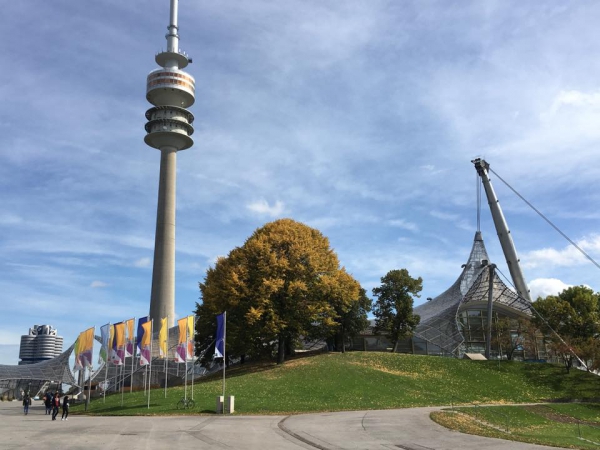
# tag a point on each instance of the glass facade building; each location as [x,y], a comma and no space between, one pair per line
[455,322]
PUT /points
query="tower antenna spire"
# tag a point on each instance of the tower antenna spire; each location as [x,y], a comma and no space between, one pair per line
[172,36]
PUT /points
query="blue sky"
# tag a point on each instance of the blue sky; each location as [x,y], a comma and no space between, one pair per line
[358,118]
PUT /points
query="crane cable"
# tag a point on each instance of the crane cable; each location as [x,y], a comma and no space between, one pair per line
[544,320]
[478,189]
[547,220]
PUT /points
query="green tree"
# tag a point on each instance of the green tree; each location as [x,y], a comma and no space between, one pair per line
[533,338]
[573,315]
[283,283]
[507,336]
[351,306]
[393,308]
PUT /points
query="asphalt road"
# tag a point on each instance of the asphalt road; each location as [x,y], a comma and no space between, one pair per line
[404,429]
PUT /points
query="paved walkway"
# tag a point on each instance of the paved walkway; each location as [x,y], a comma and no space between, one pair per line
[407,429]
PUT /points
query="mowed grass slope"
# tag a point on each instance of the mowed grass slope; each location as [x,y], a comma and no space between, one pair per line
[562,425]
[360,380]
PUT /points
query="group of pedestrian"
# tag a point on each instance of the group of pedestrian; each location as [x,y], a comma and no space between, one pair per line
[52,403]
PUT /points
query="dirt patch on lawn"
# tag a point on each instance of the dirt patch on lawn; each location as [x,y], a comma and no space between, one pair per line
[550,414]
[400,373]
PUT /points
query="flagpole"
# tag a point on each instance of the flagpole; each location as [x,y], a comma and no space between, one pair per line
[185,357]
[151,332]
[132,359]
[224,355]
[88,394]
[89,387]
[193,363]
[105,378]
[167,358]
[87,400]
[122,384]
[106,366]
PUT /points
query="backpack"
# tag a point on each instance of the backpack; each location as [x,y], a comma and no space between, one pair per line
[56,401]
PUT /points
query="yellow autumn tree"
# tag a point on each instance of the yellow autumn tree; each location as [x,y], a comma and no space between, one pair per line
[283,283]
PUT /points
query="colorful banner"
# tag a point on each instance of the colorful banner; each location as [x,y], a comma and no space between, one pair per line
[190,337]
[163,337]
[181,353]
[105,338]
[145,343]
[220,340]
[118,347]
[130,338]
[77,365]
[140,332]
[85,347]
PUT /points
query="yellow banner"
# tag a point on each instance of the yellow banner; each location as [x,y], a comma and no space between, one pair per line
[190,341]
[120,334]
[182,324]
[86,345]
[162,336]
[147,337]
[111,337]
[129,324]
[86,340]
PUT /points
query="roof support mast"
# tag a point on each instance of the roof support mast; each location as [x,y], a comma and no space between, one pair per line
[508,246]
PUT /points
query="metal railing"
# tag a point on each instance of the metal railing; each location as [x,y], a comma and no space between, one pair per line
[586,424]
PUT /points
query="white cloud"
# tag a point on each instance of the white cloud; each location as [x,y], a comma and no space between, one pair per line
[575,98]
[458,220]
[98,284]
[543,287]
[262,207]
[431,169]
[566,257]
[10,219]
[12,337]
[9,354]
[401,223]
[143,262]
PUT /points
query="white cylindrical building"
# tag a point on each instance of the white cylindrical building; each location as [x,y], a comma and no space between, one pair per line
[169,127]
[41,344]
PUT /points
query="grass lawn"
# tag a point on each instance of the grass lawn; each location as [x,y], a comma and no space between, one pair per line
[362,380]
[561,425]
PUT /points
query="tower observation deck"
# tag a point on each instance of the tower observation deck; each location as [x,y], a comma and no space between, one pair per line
[169,128]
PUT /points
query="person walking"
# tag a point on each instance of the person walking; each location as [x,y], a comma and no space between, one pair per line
[55,405]
[65,405]
[48,402]
[26,403]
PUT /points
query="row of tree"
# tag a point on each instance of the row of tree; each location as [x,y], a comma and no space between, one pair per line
[570,321]
[565,326]
[285,285]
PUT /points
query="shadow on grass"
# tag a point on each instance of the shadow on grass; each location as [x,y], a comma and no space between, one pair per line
[576,385]
[120,408]
[252,367]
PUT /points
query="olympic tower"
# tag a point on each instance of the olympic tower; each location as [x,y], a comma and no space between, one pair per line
[169,127]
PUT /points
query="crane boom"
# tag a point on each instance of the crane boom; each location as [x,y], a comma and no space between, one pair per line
[508,246]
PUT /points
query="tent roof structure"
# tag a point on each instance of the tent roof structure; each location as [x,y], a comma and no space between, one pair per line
[439,317]
[56,369]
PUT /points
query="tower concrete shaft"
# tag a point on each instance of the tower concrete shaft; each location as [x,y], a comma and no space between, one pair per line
[169,127]
[162,300]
